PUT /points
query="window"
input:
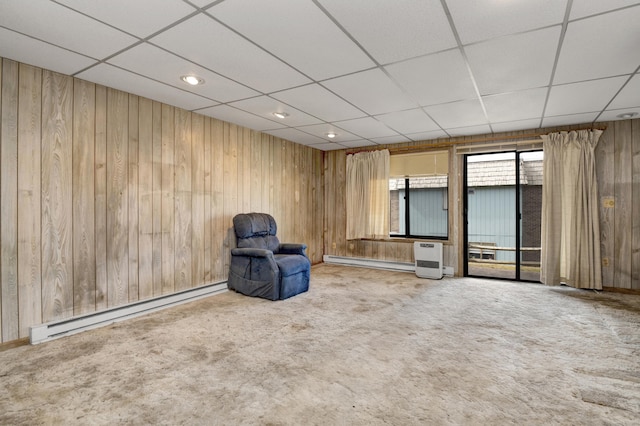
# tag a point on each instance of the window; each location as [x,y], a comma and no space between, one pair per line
[418,189]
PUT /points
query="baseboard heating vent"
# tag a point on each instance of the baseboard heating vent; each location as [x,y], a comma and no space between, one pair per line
[369,263]
[54,330]
[428,259]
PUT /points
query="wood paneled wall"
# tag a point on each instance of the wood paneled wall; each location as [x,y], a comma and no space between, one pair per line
[618,171]
[108,198]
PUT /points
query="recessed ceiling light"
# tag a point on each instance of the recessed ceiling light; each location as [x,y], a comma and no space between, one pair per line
[192,80]
[281,114]
[627,115]
[331,135]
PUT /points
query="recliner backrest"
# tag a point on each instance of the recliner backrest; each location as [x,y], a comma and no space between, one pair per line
[256,230]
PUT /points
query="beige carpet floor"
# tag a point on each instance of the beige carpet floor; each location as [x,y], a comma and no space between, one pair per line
[362,347]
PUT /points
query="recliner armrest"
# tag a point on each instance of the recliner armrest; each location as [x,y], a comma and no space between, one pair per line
[251,252]
[292,248]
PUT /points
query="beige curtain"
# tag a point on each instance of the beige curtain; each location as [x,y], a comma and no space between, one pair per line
[570,246]
[368,195]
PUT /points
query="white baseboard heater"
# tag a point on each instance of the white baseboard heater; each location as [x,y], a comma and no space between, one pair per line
[54,330]
[369,263]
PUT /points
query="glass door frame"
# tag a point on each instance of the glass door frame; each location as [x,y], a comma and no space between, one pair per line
[518,214]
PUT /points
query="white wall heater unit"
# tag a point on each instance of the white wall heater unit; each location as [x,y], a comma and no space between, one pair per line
[428,260]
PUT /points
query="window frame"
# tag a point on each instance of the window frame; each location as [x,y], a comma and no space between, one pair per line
[407,235]
[407,216]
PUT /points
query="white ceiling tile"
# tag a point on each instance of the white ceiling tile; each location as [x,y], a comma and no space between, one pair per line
[34,52]
[469,131]
[602,46]
[433,79]
[394,30]
[484,19]
[296,135]
[410,121]
[360,143]
[241,118]
[589,96]
[328,146]
[457,114]
[55,24]
[110,76]
[319,102]
[515,105]
[516,125]
[425,136]
[265,106]
[612,114]
[298,32]
[156,63]
[390,140]
[366,127]
[203,3]
[209,44]
[125,14]
[516,62]
[629,96]
[321,131]
[565,120]
[582,8]
[372,91]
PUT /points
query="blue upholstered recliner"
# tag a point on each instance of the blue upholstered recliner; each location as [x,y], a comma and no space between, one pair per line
[261,266]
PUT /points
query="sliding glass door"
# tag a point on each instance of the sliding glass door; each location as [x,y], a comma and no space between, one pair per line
[503,197]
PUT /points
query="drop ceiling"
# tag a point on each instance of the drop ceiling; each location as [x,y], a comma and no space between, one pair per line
[371,71]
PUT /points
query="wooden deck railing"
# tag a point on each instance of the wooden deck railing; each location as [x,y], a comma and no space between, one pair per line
[490,248]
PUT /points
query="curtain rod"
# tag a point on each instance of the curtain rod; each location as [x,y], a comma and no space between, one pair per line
[469,141]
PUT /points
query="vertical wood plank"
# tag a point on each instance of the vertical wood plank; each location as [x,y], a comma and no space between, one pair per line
[84,250]
[276,189]
[317,206]
[29,206]
[341,198]
[145,196]
[635,202]
[405,252]
[132,202]
[623,170]
[377,250]
[286,193]
[330,204]
[240,182]
[605,152]
[367,249]
[304,222]
[256,175]
[117,198]
[9,201]
[230,188]
[101,198]
[56,196]
[390,252]
[267,165]
[168,207]
[183,262]
[273,173]
[217,199]
[197,200]
[245,175]
[157,197]
[207,200]
[300,192]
